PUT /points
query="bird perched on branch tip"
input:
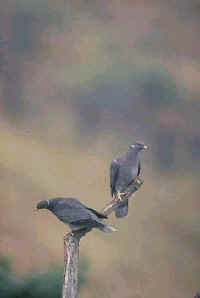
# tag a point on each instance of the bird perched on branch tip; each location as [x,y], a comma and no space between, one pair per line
[123,172]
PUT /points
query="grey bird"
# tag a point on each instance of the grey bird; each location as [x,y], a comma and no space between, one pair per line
[75,214]
[123,172]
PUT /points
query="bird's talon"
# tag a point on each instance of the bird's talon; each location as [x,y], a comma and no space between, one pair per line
[119,196]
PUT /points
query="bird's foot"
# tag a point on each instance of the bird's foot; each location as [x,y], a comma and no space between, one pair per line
[119,195]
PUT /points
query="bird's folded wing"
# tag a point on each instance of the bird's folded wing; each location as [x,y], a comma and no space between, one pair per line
[114,171]
[98,214]
[72,214]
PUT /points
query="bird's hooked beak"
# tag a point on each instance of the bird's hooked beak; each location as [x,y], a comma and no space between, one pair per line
[44,204]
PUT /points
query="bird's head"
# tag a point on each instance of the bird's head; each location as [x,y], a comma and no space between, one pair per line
[43,204]
[138,147]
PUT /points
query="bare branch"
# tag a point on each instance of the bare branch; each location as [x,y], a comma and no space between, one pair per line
[71,245]
[71,263]
[111,206]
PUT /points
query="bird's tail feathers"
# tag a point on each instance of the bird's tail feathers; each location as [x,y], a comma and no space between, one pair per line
[122,210]
[106,228]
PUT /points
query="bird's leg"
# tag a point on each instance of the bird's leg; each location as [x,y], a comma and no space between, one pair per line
[119,195]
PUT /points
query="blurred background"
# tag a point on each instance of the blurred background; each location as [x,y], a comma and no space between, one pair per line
[79,82]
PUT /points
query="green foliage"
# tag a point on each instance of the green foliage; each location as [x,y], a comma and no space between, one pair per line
[10,286]
[165,150]
[35,285]
[123,84]
[158,88]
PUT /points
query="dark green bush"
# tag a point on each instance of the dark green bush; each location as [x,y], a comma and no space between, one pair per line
[35,285]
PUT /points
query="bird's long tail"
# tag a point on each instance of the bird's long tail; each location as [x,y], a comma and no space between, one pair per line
[122,210]
[106,228]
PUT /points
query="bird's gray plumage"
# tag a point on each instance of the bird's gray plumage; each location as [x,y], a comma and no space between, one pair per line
[75,214]
[123,172]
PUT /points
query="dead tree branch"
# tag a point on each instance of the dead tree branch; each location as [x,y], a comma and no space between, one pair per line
[111,206]
[71,263]
[71,246]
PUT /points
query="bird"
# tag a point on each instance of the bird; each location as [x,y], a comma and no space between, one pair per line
[123,172]
[75,214]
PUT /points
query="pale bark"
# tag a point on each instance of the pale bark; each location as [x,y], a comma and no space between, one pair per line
[71,246]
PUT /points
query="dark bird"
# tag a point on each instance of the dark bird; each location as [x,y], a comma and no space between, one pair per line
[75,214]
[123,172]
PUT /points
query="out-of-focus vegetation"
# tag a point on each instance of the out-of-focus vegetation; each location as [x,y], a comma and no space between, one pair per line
[32,285]
[79,82]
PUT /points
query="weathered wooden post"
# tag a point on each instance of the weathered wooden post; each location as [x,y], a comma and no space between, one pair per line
[71,246]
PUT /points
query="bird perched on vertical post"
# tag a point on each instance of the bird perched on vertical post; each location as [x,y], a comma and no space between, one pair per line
[123,172]
[75,214]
